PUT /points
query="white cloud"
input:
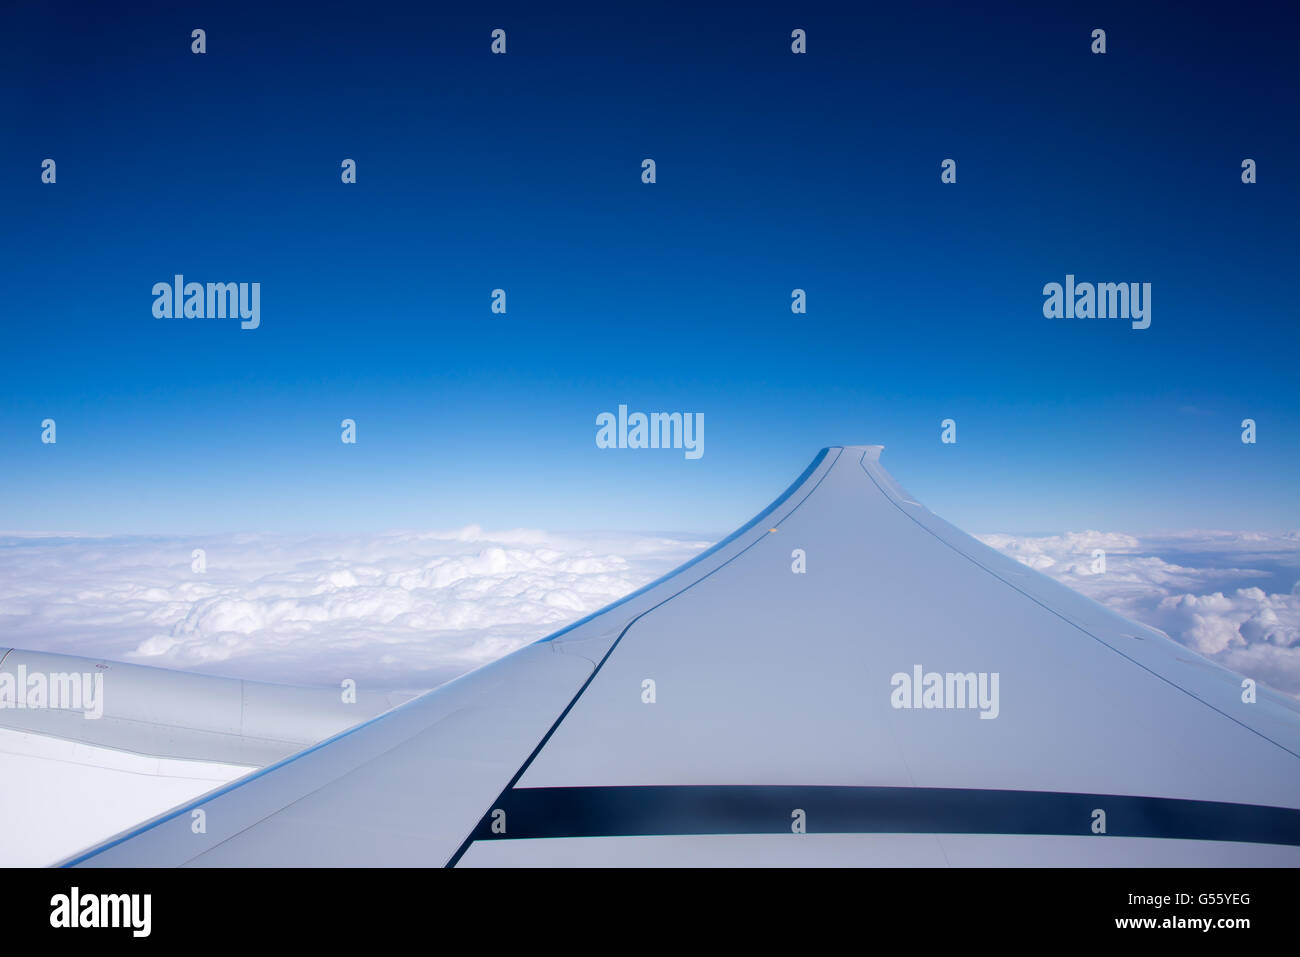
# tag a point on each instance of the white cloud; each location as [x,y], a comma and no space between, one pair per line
[409,610]
[399,610]
[1234,597]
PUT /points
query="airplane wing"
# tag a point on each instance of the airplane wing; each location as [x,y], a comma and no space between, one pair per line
[845,680]
[141,740]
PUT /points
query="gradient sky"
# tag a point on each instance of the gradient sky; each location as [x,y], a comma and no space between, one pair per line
[522,171]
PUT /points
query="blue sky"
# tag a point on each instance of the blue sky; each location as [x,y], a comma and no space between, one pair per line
[522,171]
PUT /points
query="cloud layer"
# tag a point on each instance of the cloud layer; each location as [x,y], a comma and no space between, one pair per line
[395,611]
[1234,597]
[409,610]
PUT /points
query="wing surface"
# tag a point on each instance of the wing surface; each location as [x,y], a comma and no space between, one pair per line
[847,679]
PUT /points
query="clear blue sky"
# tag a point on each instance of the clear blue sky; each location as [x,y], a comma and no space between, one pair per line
[522,171]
